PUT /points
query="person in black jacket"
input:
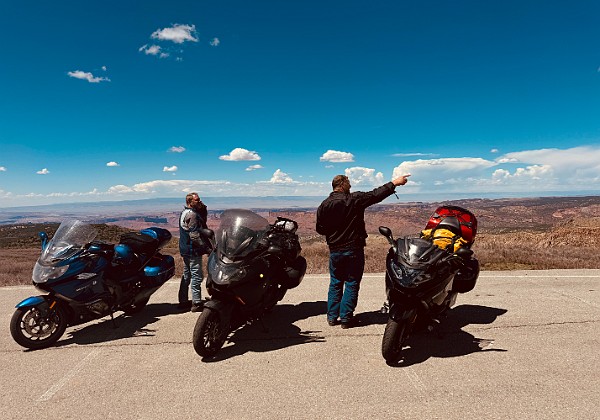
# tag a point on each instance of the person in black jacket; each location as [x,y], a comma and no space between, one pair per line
[341,218]
[192,245]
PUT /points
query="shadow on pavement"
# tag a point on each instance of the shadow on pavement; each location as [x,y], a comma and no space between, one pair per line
[281,331]
[126,326]
[448,339]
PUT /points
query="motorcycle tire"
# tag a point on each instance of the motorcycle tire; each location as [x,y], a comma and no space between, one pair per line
[393,339]
[208,337]
[136,307]
[29,329]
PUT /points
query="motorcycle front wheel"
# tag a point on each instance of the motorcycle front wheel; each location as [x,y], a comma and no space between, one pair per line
[208,336]
[393,339]
[30,329]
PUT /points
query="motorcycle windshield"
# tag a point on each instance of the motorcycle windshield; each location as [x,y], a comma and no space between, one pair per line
[239,233]
[69,239]
[418,253]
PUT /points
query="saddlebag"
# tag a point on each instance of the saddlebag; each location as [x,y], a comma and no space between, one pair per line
[465,279]
[294,273]
[159,269]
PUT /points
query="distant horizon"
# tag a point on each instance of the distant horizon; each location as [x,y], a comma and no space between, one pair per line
[289,202]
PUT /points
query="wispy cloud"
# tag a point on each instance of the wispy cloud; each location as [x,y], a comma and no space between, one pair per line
[215,42]
[170,168]
[337,157]
[153,50]
[2,168]
[112,164]
[78,74]
[415,154]
[177,149]
[494,151]
[177,33]
[433,170]
[238,154]
[254,167]
[44,171]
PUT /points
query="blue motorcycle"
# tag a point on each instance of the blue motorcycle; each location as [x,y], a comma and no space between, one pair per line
[87,279]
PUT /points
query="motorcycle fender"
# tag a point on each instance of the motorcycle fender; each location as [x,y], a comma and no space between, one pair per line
[31,301]
[398,313]
[225,309]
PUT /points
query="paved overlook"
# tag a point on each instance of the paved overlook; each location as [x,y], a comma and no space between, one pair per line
[522,345]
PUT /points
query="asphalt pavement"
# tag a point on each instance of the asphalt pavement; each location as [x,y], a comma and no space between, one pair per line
[522,345]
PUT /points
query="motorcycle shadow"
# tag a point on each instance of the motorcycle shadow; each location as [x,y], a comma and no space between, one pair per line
[124,326]
[280,333]
[448,339]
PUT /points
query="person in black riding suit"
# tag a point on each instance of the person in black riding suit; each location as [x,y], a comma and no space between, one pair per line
[341,218]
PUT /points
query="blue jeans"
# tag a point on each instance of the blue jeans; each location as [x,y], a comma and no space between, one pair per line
[192,276]
[346,270]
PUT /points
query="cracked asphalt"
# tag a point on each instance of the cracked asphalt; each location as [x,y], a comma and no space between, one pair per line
[523,344]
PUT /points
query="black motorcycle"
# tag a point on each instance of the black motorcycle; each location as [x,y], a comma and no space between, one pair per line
[86,279]
[422,281]
[251,268]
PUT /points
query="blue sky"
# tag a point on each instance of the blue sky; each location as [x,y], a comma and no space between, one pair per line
[117,100]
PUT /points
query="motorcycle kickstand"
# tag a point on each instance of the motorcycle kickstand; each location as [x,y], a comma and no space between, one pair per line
[265,328]
[434,327]
[112,318]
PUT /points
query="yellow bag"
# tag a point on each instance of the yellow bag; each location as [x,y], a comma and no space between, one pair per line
[443,238]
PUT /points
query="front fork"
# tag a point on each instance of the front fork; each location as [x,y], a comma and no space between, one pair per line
[45,304]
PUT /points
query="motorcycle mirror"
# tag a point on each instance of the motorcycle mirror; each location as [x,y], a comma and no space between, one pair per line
[44,237]
[387,232]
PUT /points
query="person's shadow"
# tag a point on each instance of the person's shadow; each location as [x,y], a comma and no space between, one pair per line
[276,332]
[122,327]
[448,339]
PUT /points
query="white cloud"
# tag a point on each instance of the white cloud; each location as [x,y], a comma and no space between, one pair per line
[238,154]
[170,168]
[177,33]
[442,168]
[415,154]
[2,168]
[155,50]
[215,42]
[177,149]
[254,167]
[43,172]
[112,163]
[78,74]
[360,176]
[280,177]
[494,151]
[103,68]
[337,157]
[523,175]
[160,187]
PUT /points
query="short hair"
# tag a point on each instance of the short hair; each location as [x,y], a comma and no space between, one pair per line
[339,180]
[190,197]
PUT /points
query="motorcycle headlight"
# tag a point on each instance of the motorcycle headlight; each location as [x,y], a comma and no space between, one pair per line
[43,273]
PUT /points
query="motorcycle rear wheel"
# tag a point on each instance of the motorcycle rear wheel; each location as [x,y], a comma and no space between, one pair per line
[31,330]
[393,339]
[208,336]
